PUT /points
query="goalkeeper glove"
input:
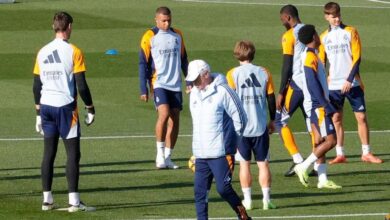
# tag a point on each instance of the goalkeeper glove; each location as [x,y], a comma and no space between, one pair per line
[38,125]
[90,116]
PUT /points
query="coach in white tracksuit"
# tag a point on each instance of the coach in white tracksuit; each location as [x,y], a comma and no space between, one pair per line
[211,100]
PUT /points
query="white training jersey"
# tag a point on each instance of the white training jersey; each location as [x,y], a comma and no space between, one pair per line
[55,64]
[166,54]
[292,46]
[341,46]
[252,84]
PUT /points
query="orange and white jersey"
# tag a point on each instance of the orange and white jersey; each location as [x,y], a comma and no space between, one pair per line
[55,64]
[341,46]
[292,46]
[252,84]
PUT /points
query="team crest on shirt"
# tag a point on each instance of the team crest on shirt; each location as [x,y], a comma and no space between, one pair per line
[176,41]
[345,37]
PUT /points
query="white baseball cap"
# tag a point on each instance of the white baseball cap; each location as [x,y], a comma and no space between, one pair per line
[195,68]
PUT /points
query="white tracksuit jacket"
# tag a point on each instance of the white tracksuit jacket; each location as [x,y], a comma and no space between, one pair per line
[207,110]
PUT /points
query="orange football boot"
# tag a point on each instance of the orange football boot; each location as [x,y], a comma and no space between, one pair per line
[338,159]
[370,158]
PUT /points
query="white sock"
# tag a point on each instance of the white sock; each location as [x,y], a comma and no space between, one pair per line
[160,148]
[167,152]
[322,177]
[247,193]
[339,150]
[366,149]
[315,166]
[266,194]
[74,198]
[48,197]
[311,159]
[297,158]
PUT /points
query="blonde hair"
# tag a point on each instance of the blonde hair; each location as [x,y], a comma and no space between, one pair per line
[244,50]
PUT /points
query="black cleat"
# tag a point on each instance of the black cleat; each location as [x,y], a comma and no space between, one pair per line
[290,172]
[313,173]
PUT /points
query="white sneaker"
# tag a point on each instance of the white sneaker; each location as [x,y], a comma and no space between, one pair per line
[169,164]
[268,205]
[48,206]
[160,162]
[81,208]
[247,204]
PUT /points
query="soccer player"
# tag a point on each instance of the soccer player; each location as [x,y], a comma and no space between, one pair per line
[161,56]
[341,46]
[210,99]
[290,95]
[317,107]
[58,73]
[253,84]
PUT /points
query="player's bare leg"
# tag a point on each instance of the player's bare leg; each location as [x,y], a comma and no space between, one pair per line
[338,124]
[364,136]
[171,136]
[265,183]
[161,130]
[246,183]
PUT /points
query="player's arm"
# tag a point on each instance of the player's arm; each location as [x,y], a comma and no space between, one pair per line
[287,66]
[144,65]
[271,103]
[356,55]
[235,110]
[37,87]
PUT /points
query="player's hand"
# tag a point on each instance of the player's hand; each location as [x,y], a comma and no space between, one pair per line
[188,89]
[144,97]
[38,125]
[90,115]
[279,102]
[271,127]
[346,87]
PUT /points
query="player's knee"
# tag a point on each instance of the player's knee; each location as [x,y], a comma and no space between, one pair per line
[361,117]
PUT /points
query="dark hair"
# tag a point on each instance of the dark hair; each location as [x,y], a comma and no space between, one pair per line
[61,21]
[306,33]
[332,8]
[244,50]
[290,10]
[163,10]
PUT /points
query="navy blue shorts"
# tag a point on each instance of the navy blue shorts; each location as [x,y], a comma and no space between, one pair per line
[62,121]
[258,145]
[172,98]
[355,97]
[322,122]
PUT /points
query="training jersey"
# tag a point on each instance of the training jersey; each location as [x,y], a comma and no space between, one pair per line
[56,64]
[315,89]
[252,84]
[292,46]
[341,46]
[161,56]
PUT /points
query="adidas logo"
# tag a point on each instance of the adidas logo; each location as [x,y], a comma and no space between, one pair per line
[361,108]
[53,58]
[251,82]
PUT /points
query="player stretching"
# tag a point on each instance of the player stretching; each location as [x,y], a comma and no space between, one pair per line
[318,108]
[341,46]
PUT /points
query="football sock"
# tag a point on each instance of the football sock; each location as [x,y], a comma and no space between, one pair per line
[266,193]
[366,149]
[74,198]
[288,140]
[167,152]
[339,150]
[48,197]
[297,158]
[322,177]
[160,147]
[311,159]
[247,193]
[315,166]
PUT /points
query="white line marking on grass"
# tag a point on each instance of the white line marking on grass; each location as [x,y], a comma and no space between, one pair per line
[288,217]
[152,136]
[277,4]
[385,2]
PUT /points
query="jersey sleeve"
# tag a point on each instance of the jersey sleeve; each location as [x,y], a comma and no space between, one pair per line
[234,109]
[270,83]
[230,80]
[144,66]
[36,67]
[183,53]
[288,42]
[356,54]
[78,61]
[321,49]
[312,81]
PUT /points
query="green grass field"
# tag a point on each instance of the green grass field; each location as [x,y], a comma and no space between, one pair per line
[118,174]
